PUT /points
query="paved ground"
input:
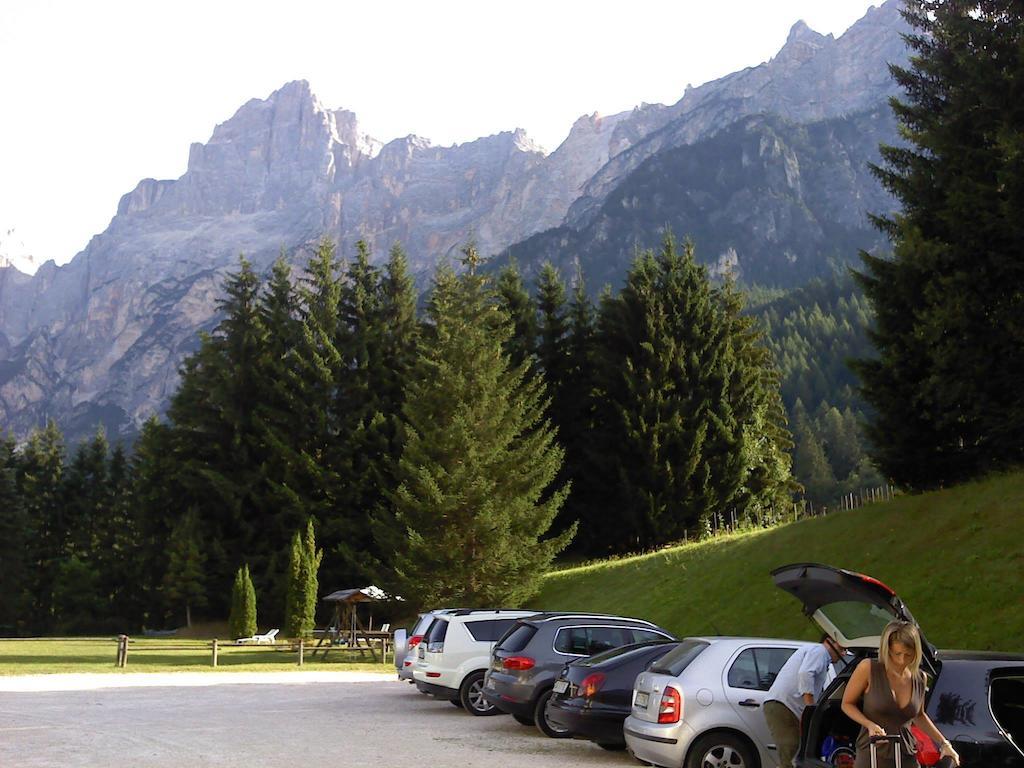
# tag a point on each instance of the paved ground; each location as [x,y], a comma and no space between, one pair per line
[339,722]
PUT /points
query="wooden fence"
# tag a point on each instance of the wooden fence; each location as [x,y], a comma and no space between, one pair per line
[213,647]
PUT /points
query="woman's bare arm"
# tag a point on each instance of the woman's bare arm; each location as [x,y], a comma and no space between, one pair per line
[855,689]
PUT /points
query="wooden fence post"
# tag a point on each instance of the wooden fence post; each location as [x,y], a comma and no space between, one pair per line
[214,644]
[122,650]
[301,649]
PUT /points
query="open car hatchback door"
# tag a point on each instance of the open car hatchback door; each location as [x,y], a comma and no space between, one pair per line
[850,607]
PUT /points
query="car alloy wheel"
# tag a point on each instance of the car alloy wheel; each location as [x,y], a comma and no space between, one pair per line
[471,694]
[721,750]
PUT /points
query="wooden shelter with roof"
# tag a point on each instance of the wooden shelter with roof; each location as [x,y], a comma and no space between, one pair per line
[347,629]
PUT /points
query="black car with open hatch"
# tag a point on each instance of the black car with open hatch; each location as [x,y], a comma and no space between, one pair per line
[975,698]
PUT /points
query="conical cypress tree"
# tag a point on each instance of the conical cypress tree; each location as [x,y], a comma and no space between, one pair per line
[475,497]
[242,620]
[303,584]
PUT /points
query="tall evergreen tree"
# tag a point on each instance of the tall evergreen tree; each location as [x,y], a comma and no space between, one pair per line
[475,497]
[692,425]
[553,357]
[15,535]
[242,619]
[949,304]
[217,436]
[303,583]
[185,581]
[521,310]
[40,483]
[156,496]
[577,427]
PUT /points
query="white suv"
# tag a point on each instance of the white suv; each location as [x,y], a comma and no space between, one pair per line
[455,652]
[405,656]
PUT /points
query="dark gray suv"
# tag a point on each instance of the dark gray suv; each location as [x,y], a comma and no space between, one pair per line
[528,658]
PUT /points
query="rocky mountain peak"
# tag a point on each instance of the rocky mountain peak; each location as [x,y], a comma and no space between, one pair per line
[802,44]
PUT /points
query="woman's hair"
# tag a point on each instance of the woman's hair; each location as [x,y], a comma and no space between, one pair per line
[901,632]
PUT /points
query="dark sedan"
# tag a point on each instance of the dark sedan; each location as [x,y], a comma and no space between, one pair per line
[976,698]
[594,695]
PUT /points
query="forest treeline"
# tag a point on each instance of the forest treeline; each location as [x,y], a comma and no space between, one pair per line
[449,455]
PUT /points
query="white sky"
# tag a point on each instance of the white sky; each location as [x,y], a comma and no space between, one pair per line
[95,96]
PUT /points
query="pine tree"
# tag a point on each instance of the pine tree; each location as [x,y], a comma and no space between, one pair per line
[156,498]
[692,426]
[217,436]
[522,311]
[949,307]
[15,535]
[242,620]
[184,583]
[475,496]
[40,484]
[553,358]
[578,429]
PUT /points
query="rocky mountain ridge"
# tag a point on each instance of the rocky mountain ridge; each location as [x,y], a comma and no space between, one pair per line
[101,338]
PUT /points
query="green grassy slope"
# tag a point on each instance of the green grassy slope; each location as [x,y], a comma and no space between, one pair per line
[956,557]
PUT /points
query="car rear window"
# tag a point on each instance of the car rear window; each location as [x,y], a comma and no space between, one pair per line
[437,631]
[674,662]
[626,652]
[757,668]
[517,639]
[422,624]
[648,636]
[490,630]
[586,641]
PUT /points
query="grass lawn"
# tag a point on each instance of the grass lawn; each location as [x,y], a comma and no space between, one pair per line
[98,654]
[956,557]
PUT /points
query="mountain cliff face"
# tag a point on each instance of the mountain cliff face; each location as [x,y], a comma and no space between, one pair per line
[813,77]
[101,338]
[768,200]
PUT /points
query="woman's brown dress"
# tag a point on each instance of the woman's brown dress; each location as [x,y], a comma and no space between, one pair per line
[880,706]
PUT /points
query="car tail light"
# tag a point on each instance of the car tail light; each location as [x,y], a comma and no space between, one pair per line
[433,674]
[518,663]
[407,663]
[415,640]
[670,710]
[591,685]
[435,647]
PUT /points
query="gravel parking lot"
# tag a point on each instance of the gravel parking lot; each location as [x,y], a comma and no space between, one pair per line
[380,723]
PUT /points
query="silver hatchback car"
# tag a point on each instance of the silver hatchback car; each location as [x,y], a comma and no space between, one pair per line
[699,706]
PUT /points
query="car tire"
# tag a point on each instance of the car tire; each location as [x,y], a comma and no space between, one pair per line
[524,720]
[471,695]
[721,749]
[457,703]
[540,717]
[611,747]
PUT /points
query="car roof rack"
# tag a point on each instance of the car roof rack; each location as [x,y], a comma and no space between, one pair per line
[472,611]
[555,616]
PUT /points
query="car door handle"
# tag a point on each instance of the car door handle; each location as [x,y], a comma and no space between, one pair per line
[750,703]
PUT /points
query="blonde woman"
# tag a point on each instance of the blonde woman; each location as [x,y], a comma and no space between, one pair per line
[885,695]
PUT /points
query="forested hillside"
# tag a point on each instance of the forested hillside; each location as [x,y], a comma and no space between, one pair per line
[813,333]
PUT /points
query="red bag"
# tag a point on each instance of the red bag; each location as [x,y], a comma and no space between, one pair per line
[927,752]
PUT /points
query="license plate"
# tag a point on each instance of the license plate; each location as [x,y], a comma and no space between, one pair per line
[420,653]
[561,686]
[642,697]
